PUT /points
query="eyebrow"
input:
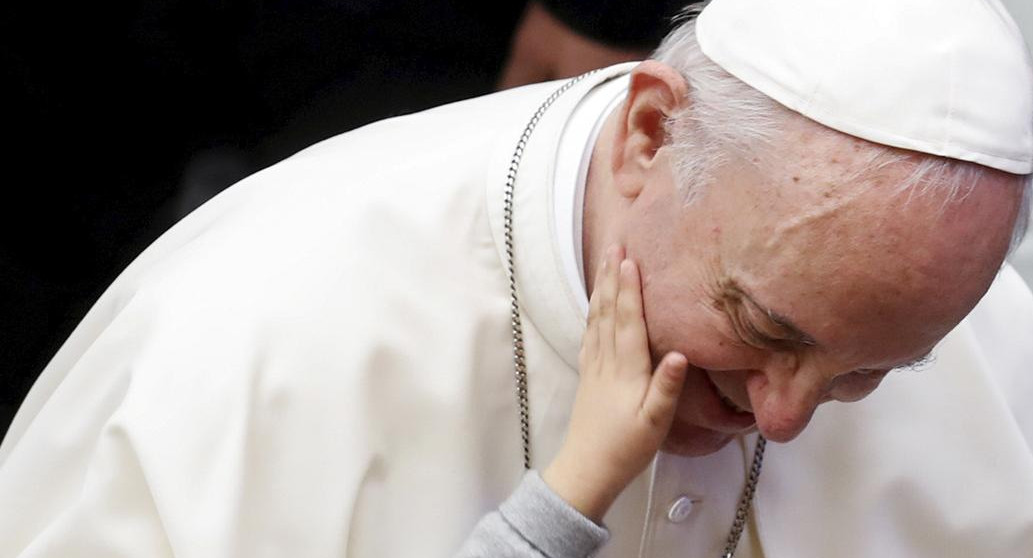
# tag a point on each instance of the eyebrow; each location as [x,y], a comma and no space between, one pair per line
[796,335]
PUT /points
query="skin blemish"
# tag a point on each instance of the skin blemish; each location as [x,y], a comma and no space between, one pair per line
[796,179]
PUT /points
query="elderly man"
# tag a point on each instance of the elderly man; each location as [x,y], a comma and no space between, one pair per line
[320,361]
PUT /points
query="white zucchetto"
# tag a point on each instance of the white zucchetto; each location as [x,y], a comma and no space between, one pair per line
[946,77]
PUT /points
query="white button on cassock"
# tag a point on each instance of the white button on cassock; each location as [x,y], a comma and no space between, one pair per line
[692,503]
[680,509]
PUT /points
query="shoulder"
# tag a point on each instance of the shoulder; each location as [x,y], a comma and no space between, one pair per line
[1003,321]
[436,130]
[1002,327]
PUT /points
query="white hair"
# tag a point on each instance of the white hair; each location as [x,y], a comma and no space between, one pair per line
[726,119]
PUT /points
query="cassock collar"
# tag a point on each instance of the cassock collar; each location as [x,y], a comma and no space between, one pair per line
[547,297]
[572,160]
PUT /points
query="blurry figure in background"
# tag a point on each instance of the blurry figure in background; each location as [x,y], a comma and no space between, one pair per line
[564,38]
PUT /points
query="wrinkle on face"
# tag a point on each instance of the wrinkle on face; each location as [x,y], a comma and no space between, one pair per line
[832,205]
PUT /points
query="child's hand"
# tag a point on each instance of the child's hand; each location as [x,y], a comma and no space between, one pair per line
[622,411]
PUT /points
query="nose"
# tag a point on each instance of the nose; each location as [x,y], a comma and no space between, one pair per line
[784,393]
[783,398]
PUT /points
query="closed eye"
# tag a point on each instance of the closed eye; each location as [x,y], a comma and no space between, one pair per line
[751,334]
[776,333]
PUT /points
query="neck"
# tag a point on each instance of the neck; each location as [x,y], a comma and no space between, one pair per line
[598,231]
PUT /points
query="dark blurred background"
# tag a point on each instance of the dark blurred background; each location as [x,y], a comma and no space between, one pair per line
[122,117]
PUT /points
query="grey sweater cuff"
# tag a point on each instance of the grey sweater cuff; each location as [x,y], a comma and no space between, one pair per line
[548,523]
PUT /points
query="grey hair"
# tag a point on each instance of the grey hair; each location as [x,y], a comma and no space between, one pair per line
[726,119]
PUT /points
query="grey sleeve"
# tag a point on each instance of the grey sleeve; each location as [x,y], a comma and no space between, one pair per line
[534,522]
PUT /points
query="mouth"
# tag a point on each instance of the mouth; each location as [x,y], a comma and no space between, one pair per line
[728,402]
[726,412]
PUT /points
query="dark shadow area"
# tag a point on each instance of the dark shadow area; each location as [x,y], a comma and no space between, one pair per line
[122,117]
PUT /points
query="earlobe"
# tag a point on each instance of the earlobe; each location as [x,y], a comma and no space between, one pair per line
[656,91]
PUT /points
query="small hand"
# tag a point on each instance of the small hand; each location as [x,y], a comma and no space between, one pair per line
[623,409]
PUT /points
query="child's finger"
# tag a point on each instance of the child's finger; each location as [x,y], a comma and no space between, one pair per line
[593,303]
[631,338]
[590,340]
[664,390]
[606,295]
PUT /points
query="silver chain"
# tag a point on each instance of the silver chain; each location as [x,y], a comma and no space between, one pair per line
[519,365]
[746,499]
[519,362]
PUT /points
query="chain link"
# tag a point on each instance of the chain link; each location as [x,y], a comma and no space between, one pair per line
[742,511]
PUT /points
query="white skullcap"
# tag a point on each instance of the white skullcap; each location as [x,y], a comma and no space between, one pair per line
[946,77]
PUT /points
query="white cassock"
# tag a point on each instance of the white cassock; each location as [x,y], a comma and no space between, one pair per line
[318,363]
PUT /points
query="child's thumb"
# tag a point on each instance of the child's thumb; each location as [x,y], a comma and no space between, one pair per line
[664,390]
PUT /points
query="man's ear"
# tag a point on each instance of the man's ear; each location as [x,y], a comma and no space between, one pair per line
[656,91]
